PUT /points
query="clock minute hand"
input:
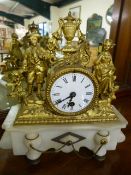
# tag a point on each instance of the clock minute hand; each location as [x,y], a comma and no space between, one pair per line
[59,101]
[72,94]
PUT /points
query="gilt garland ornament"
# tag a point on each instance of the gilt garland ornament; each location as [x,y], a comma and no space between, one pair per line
[65,89]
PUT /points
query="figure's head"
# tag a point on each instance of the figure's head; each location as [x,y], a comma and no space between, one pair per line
[14,35]
[34,38]
[51,44]
[108,44]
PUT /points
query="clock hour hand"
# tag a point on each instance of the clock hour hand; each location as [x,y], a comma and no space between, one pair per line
[71,103]
[72,94]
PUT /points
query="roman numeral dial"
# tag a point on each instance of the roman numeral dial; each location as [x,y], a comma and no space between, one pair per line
[71,93]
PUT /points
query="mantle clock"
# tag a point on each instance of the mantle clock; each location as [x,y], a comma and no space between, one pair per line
[63,97]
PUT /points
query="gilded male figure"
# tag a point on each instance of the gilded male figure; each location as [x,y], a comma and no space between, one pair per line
[34,64]
[15,53]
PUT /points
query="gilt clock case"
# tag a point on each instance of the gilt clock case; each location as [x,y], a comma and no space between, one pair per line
[71,91]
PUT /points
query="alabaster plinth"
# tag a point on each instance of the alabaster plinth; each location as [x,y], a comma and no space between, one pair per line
[46,136]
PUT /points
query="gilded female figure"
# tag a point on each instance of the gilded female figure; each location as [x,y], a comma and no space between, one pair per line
[104,71]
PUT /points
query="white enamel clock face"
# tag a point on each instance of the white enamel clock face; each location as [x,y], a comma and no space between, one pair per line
[72,93]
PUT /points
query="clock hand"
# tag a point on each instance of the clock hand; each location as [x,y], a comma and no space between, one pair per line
[59,101]
[71,104]
[72,94]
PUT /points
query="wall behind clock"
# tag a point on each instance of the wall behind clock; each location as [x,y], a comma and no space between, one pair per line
[88,7]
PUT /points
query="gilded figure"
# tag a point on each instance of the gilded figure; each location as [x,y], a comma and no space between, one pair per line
[25,42]
[52,47]
[84,53]
[34,64]
[15,56]
[17,86]
[44,40]
[104,71]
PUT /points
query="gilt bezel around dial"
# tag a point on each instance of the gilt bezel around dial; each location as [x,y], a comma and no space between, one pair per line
[76,71]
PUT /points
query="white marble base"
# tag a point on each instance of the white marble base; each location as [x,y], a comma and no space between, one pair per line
[19,138]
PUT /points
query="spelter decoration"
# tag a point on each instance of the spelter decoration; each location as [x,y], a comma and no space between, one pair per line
[54,90]
[14,59]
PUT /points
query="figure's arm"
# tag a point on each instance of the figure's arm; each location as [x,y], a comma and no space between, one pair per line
[25,62]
